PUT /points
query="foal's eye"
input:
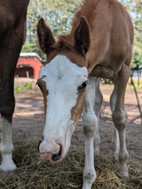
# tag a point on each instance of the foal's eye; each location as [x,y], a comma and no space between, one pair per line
[83,85]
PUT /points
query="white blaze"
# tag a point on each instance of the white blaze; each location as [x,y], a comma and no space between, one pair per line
[62,78]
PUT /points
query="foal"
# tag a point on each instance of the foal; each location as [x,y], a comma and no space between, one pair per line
[98,46]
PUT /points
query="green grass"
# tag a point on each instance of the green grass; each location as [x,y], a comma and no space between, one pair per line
[18,89]
[109,114]
[137,84]
[27,86]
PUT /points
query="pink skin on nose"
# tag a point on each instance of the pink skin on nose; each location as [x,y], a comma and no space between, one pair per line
[48,148]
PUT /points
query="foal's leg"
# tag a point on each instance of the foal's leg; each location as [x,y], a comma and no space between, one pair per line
[7,103]
[115,140]
[90,123]
[120,118]
[97,107]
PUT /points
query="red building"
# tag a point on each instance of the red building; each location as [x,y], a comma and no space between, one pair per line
[29,65]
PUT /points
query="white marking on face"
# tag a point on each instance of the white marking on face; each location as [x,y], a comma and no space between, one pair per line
[62,78]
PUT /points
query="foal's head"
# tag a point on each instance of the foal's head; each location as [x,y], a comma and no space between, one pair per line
[63,82]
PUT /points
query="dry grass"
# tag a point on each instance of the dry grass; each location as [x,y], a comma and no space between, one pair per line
[34,174]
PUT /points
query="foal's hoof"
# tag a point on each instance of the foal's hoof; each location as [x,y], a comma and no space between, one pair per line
[10,166]
[124,171]
[7,163]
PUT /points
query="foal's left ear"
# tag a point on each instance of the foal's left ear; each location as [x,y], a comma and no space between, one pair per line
[82,39]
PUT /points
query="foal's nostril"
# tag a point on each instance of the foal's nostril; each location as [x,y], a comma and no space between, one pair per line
[39,145]
[56,157]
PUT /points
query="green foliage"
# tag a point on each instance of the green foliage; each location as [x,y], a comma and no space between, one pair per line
[135,10]
[137,59]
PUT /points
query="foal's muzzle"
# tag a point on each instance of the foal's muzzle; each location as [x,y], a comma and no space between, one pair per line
[54,157]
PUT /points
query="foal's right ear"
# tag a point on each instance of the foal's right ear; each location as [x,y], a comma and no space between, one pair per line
[45,37]
[82,38]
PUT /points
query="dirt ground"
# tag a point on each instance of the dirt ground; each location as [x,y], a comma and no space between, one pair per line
[29,117]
